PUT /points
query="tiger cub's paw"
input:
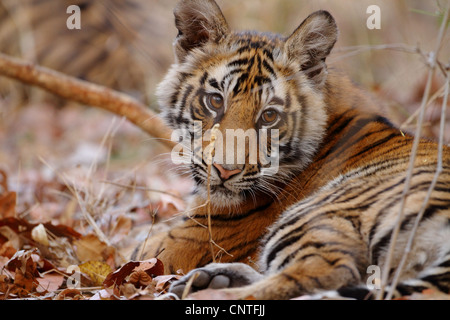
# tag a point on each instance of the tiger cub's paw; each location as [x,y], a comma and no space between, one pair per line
[216,276]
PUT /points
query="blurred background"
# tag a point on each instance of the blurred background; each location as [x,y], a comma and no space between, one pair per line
[127,45]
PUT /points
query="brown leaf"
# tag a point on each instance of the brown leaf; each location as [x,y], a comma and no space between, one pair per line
[152,267]
[7,251]
[50,282]
[162,282]
[25,280]
[72,294]
[5,284]
[24,229]
[105,294]
[8,204]
[25,261]
[9,238]
[118,277]
[91,248]
[140,279]
[132,293]
[169,205]
[61,230]
[120,229]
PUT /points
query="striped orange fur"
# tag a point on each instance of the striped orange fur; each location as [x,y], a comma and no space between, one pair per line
[331,209]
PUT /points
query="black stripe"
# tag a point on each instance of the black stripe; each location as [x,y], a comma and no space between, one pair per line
[233,217]
[288,102]
[251,247]
[355,292]
[441,281]
[187,91]
[384,210]
[229,75]
[268,68]
[406,290]
[296,235]
[336,131]
[383,243]
[238,87]
[346,141]
[288,149]
[383,120]
[238,63]
[203,78]
[213,83]
[374,145]
[445,264]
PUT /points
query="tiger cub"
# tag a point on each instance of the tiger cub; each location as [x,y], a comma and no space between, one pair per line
[329,209]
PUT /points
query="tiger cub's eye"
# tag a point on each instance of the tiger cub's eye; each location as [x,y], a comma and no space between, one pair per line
[215,101]
[269,116]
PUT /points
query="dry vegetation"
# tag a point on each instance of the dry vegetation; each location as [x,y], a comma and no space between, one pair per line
[81,186]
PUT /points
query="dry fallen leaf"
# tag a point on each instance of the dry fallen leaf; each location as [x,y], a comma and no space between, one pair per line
[121,228]
[96,270]
[25,261]
[72,294]
[104,294]
[162,282]
[50,282]
[140,279]
[7,198]
[8,204]
[90,247]
[152,267]
[117,277]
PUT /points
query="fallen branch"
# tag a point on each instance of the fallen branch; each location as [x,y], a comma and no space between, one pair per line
[87,93]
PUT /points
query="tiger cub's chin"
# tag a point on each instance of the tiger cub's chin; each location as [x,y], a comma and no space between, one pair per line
[222,197]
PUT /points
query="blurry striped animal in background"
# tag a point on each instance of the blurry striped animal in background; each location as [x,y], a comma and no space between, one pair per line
[111,48]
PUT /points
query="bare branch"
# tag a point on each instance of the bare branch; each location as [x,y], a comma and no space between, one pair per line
[419,217]
[432,67]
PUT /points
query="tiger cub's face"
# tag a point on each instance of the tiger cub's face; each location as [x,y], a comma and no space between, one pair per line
[262,90]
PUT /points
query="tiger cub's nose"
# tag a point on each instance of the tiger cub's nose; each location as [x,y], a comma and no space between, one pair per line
[224,173]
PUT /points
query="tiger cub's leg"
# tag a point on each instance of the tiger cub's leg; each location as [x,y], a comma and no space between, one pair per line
[217,276]
[299,257]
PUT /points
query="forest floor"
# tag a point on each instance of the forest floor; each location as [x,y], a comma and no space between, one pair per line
[79,190]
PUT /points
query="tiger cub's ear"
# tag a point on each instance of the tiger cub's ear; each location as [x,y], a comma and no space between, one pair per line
[311,43]
[198,22]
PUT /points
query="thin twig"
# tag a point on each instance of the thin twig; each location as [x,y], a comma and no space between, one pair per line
[132,187]
[141,255]
[208,185]
[189,285]
[400,216]
[427,198]
[439,93]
